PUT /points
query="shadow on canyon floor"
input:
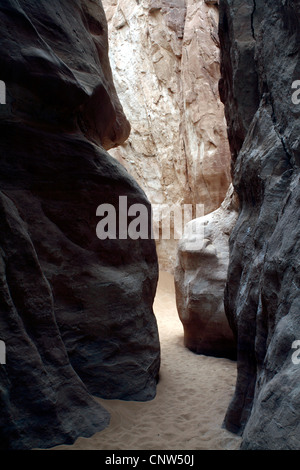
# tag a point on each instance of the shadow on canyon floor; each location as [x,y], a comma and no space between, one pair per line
[193,394]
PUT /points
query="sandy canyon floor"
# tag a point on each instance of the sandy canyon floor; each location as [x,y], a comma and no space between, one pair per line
[192,397]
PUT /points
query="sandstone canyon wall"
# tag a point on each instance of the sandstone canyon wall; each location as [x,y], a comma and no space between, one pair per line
[260,62]
[75,311]
[165,58]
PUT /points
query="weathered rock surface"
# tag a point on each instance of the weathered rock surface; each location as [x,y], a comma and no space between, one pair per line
[260,61]
[200,279]
[75,311]
[43,401]
[165,58]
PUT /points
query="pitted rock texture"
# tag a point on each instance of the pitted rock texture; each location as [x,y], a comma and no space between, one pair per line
[200,279]
[165,58]
[260,62]
[76,311]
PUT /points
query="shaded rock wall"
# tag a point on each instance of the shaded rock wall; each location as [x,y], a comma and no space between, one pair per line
[165,57]
[75,311]
[260,61]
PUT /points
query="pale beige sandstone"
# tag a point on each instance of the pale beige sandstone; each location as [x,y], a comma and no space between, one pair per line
[165,60]
[203,128]
[200,279]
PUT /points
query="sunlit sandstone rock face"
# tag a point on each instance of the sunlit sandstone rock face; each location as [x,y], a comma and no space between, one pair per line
[165,57]
[260,62]
[200,279]
[75,312]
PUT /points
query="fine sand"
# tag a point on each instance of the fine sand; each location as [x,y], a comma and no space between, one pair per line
[192,397]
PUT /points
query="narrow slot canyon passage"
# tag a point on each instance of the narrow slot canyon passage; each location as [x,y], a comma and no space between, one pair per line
[178,153]
[193,394]
[121,117]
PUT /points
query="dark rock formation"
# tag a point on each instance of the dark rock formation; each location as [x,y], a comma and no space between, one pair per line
[75,311]
[260,62]
[43,402]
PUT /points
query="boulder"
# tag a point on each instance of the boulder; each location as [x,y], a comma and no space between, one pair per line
[200,278]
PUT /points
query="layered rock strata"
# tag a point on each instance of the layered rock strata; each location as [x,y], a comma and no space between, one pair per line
[75,311]
[165,58]
[200,279]
[259,66]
